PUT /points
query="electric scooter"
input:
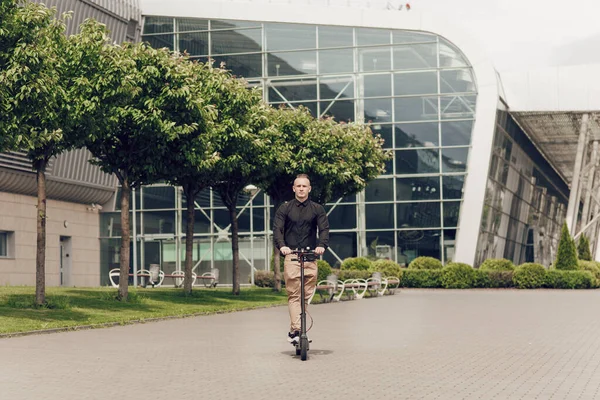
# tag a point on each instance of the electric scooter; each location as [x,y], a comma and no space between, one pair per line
[302,345]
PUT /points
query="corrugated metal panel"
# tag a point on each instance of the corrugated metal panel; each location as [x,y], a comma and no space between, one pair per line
[19,161]
[74,166]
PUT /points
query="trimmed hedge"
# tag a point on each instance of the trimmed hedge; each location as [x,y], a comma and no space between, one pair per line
[351,274]
[556,279]
[324,270]
[529,276]
[458,276]
[421,278]
[387,268]
[356,264]
[493,279]
[497,264]
[425,263]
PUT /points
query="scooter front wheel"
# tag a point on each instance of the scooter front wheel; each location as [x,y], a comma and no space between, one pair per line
[303,349]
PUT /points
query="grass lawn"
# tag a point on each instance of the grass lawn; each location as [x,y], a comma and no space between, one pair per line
[71,307]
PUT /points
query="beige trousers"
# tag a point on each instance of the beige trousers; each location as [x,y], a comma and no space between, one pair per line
[291,274]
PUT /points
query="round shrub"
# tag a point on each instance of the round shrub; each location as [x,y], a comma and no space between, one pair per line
[497,264]
[421,278]
[458,276]
[558,279]
[591,266]
[387,268]
[264,278]
[324,270]
[425,263]
[356,263]
[353,274]
[529,276]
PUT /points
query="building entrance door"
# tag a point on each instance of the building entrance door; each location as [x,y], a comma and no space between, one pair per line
[65,261]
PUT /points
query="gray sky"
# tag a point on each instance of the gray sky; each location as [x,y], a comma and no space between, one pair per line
[520,34]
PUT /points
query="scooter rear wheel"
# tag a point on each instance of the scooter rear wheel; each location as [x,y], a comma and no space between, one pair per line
[297,350]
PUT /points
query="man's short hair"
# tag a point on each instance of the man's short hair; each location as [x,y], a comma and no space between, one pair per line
[302,176]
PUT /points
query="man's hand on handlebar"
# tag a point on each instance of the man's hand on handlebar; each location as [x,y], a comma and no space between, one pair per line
[285,250]
[320,251]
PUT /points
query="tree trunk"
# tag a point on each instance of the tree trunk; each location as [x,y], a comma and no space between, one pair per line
[189,239]
[235,249]
[40,260]
[125,238]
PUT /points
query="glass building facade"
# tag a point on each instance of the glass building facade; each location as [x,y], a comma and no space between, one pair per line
[525,203]
[415,89]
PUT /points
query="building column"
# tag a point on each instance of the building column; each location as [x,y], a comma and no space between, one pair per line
[573,208]
[591,175]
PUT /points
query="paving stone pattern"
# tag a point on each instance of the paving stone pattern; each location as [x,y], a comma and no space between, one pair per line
[417,344]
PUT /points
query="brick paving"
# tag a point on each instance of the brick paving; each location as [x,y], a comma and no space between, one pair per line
[417,344]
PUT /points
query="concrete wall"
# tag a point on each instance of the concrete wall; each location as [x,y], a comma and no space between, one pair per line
[18,215]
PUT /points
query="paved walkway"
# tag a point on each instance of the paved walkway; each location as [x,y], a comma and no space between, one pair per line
[417,344]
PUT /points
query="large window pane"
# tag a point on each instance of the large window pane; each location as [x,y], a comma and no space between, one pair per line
[231,24]
[191,24]
[418,243]
[336,61]
[417,135]
[451,213]
[379,216]
[3,244]
[340,110]
[331,87]
[293,90]
[242,65]
[457,81]
[377,85]
[158,25]
[295,63]
[342,216]
[455,159]
[344,244]
[378,110]
[456,133]
[418,215]
[374,59]
[424,161]
[195,44]
[160,41]
[450,56]
[418,188]
[457,107]
[290,37]
[416,108]
[386,132]
[158,197]
[380,190]
[400,37]
[367,37]
[332,36]
[159,222]
[415,56]
[381,244]
[415,83]
[201,223]
[237,41]
[453,186]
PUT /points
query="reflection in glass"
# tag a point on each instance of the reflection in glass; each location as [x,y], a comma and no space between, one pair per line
[330,88]
[416,108]
[449,244]
[450,56]
[201,223]
[422,161]
[379,216]
[333,36]
[340,110]
[417,135]
[231,24]
[344,244]
[386,132]
[236,41]
[336,61]
[374,59]
[194,44]
[290,36]
[418,215]
[158,197]
[418,243]
[342,216]
[415,83]
[293,90]
[241,65]
[418,188]
[412,37]
[367,37]
[453,186]
[415,56]
[110,223]
[110,250]
[455,159]
[457,81]
[381,244]
[458,107]
[190,24]
[380,190]
[160,41]
[159,222]
[451,213]
[379,85]
[457,133]
[378,110]
[158,25]
[294,63]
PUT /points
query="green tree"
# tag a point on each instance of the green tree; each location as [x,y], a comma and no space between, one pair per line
[339,158]
[139,102]
[566,256]
[583,248]
[190,162]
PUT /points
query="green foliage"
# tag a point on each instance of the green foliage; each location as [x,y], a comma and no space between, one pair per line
[493,279]
[344,275]
[356,263]
[324,270]
[421,278]
[583,248]
[387,268]
[529,276]
[557,279]
[425,263]
[458,276]
[500,264]
[264,278]
[566,256]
